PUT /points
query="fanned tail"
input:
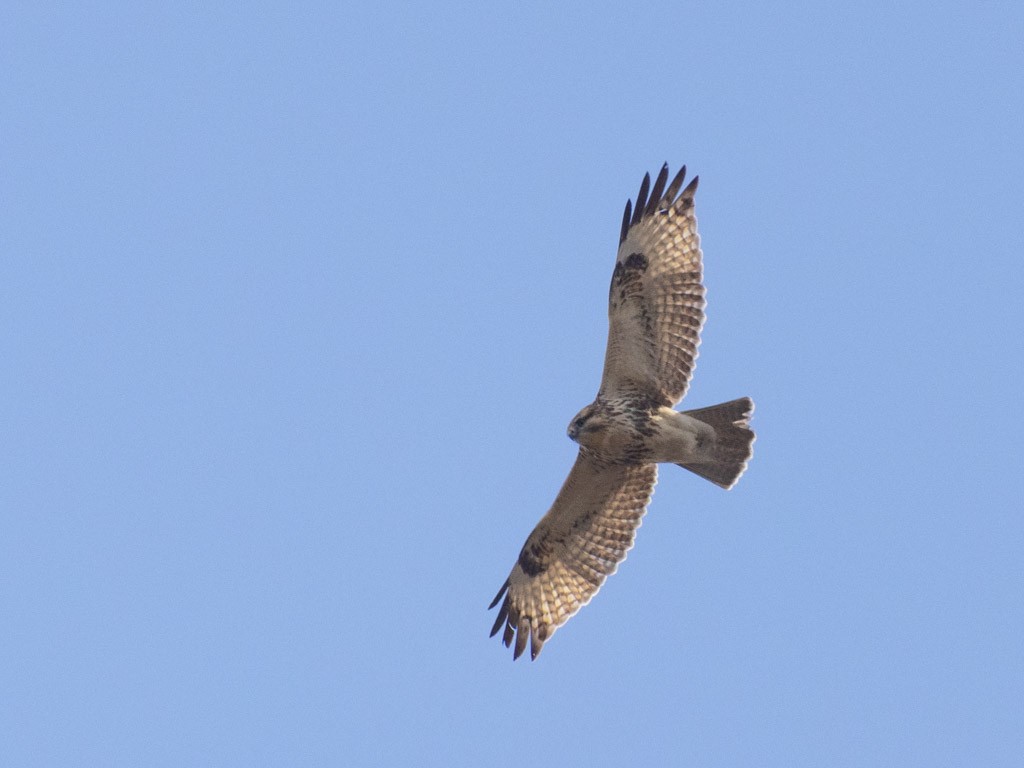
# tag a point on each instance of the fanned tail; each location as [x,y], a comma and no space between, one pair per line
[727,458]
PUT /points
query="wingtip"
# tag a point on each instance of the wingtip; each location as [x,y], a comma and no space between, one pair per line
[659,197]
[536,644]
[673,188]
[501,618]
[654,202]
[691,188]
[627,214]
[520,642]
[641,199]
[497,597]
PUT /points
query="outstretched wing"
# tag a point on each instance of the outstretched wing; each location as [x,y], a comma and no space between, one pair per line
[656,298]
[573,549]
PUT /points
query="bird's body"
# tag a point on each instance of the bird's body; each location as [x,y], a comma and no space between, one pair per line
[655,312]
[623,431]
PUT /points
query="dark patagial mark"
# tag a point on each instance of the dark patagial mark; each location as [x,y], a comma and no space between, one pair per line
[636,261]
[626,275]
[534,557]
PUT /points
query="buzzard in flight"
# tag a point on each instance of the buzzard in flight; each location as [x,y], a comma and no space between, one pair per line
[655,315]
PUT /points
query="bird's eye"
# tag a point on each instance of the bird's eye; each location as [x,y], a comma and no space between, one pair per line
[578,423]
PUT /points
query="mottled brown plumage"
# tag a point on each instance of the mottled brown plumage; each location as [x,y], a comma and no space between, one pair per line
[655,314]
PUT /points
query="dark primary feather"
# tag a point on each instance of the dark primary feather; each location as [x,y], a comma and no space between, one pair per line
[656,311]
[660,198]
[641,199]
[673,188]
[578,543]
[659,186]
[625,221]
[656,295]
[691,189]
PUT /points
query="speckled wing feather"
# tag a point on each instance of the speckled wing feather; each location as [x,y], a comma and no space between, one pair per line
[573,549]
[656,297]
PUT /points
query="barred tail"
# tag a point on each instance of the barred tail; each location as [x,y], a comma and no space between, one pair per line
[734,440]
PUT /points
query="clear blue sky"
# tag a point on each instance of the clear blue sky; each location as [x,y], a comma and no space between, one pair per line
[297,301]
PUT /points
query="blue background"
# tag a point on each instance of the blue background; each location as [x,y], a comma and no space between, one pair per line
[296,301]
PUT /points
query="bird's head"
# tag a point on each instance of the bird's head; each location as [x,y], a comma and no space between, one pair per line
[585,425]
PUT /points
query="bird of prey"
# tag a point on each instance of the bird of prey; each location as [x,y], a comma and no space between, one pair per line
[655,315]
